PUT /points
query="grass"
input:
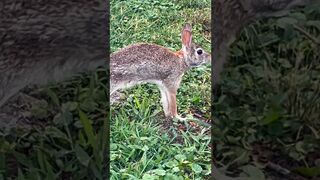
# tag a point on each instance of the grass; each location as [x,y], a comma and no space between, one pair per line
[143,145]
[270,114]
[61,134]
[139,150]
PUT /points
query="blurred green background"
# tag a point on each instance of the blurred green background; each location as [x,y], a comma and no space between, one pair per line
[268,113]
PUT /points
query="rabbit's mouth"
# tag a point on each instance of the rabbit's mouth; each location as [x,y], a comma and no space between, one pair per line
[196,64]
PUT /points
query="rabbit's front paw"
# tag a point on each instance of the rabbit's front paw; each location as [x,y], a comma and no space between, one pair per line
[179,118]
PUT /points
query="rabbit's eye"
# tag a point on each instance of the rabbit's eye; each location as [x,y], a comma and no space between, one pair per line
[199,51]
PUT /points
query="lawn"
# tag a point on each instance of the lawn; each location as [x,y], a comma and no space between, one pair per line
[59,132]
[144,145]
[267,122]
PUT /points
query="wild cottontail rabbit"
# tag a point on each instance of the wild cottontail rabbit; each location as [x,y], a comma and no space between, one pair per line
[46,41]
[150,63]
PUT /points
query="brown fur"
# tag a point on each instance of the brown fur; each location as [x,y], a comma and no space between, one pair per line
[150,63]
[45,41]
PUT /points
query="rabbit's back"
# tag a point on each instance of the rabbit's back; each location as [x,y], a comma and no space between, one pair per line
[44,41]
[143,62]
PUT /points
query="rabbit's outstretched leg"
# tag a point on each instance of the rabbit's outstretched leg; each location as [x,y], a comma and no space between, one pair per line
[169,102]
[173,106]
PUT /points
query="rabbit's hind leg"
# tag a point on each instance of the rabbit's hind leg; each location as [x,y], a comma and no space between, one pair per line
[117,97]
[8,92]
[164,100]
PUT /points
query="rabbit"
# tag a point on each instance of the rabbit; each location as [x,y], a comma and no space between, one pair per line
[230,17]
[152,63]
[49,41]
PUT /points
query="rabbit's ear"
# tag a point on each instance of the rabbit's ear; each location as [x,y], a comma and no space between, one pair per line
[186,36]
